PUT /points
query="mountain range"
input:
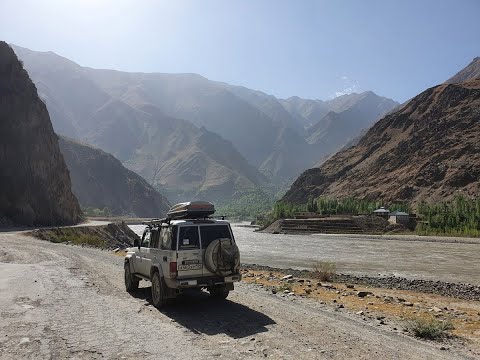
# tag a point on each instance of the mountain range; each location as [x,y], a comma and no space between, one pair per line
[427,150]
[193,135]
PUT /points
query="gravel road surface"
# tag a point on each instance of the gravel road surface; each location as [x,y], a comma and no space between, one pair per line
[64,301]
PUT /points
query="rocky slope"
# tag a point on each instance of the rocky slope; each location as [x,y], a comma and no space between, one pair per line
[470,72]
[99,180]
[34,180]
[427,150]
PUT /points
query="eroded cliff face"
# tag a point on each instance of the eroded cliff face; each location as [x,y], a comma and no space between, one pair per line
[35,185]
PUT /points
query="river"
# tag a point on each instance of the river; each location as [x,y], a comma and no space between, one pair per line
[452,262]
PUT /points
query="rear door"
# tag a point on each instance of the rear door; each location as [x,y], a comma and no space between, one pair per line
[189,262]
[209,233]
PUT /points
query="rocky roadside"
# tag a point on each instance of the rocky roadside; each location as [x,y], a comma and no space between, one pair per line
[456,290]
[397,310]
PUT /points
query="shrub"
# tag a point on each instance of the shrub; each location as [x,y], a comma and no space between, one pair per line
[324,270]
[429,328]
[284,287]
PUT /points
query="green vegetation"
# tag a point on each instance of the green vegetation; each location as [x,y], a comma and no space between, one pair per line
[354,206]
[73,236]
[324,270]
[283,287]
[460,216]
[325,206]
[429,328]
[91,211]
[246,205]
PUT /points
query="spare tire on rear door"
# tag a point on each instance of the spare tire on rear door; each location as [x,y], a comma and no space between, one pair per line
[222,257]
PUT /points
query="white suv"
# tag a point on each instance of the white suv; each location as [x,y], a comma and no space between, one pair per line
[188,249]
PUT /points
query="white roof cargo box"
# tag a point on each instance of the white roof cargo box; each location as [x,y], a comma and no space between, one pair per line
[191,210]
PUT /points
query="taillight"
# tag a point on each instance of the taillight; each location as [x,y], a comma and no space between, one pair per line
[173,269]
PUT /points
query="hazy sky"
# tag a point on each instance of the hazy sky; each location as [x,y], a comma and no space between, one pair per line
[312,49]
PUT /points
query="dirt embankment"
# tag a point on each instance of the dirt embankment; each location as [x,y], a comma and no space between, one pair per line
[368,224]
[457,290]
[110,236]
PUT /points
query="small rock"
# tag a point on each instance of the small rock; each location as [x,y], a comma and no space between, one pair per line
[24,340]
[407,303]
[436,309]
[301,280]
[337,292]
[359,313]
[443,348]
[362,293]
[370,303]
[286,291]
[307,291]
[340,306]
[350,286]
[116,250]
[274,291]
[287,277]
[400,300]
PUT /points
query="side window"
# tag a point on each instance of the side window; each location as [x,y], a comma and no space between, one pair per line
[188,238]
[166,238]
[146,238]
[154,239]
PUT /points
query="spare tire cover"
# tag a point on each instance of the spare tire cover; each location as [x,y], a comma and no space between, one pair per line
[222,257]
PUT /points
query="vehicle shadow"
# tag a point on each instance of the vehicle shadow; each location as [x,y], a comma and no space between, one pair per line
[199,313]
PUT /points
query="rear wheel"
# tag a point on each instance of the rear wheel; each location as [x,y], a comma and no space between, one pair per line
[220,293]
[158,291]
[131,282]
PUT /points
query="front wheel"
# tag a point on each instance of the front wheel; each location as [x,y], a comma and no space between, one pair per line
[158,291]
[131,283]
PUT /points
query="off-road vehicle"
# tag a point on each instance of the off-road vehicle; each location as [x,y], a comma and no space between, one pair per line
[186,250]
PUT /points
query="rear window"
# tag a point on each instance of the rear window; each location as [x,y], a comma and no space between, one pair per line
[211,233]
[188,238]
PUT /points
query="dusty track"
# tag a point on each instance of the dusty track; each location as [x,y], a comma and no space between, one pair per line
[59,301]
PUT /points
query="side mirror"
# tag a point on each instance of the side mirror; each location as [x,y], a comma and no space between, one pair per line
[136,243]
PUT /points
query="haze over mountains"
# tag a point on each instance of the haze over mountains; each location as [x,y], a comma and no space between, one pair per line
[34,180]
[100,181]
[427,150]
[184,131]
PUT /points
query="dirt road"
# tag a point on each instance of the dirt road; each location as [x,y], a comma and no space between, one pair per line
[63,301]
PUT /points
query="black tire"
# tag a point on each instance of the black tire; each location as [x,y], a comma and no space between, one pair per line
[158,291]
[131,282]
[219,293]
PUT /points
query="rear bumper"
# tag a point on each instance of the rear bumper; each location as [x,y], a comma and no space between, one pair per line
[204,281]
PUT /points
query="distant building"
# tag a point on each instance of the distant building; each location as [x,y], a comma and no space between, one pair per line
[382,212]
[399,217]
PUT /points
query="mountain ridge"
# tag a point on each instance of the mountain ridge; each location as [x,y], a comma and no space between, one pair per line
[426,150]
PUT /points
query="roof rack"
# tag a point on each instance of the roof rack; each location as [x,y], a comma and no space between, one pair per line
[156,222]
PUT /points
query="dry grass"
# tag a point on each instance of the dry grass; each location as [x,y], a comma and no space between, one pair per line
[324,270]
[429,328]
